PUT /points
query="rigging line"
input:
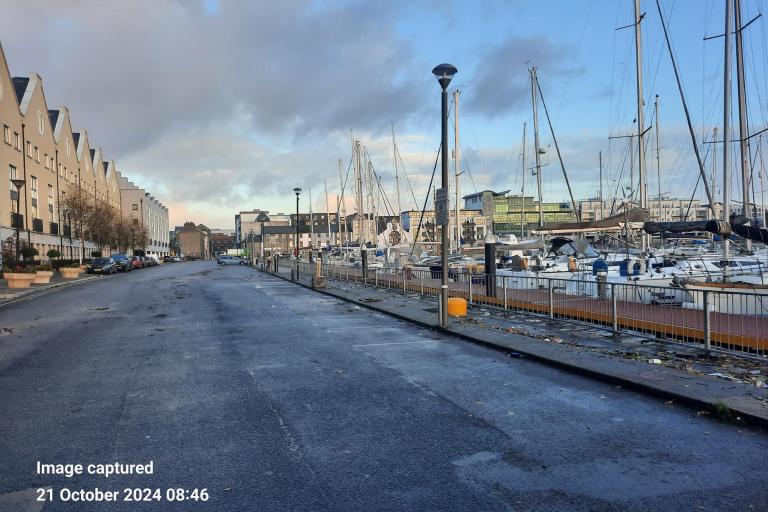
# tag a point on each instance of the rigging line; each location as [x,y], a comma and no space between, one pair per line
[466,166]
[407,179]
[426,200]
[344,186]
[573,62]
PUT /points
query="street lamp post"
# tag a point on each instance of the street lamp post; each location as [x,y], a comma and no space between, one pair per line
[252,236]
[444,73]
[19,184]
[262,218]
[297,191]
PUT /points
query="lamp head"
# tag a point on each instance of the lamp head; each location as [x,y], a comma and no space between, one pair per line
[297,190]
[19,184]
[444,73]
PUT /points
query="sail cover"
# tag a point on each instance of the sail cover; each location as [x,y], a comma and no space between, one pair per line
[634,218]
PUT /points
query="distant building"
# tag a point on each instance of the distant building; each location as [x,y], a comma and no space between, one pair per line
[142,209]
[193,241]
[473,226]
[220,240]
[515,213]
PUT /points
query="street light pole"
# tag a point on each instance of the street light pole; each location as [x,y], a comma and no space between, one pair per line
[252,236]
[297,191]
[444,73]
[19,184]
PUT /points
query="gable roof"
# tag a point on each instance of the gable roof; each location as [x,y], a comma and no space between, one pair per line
[53,115]
[20,86]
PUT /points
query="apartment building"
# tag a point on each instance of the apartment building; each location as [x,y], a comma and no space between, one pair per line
[140,208]
[40,147]
[193,241]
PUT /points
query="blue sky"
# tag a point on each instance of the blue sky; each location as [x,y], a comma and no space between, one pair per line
[219,105]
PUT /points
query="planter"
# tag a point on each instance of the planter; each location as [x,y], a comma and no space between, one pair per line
[70,272]
[18,279]
[43,276]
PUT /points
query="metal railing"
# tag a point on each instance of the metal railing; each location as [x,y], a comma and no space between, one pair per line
[731,321]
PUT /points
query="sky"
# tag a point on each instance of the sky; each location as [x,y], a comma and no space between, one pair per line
[217,106]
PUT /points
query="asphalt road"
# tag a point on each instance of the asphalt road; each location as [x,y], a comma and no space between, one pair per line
[276,398]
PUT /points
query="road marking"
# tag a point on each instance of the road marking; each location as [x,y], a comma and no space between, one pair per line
[397,343]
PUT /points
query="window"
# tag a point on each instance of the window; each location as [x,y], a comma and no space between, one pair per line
[17,141]
[40,122]
[50,200]
[29,149]
[135,222]
[61,171]
[7,134]
[47,162]
[37,154]
[12,176]
[66,141]
[33,191]
[134,206]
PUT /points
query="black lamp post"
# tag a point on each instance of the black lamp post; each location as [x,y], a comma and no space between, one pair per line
[262,218]
[444,73]
[297,191]
[19,184]
[252,236]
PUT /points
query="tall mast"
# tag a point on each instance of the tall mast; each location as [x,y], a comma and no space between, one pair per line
[536,148]
[714,164]
[658,153]
[327,209]
[640,123]
[359,182]
[743,128]
[397,176]
[456,166]
[522,191]
[600,163]
[341,209]
[727,133]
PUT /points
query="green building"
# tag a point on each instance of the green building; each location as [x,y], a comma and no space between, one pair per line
[508,212]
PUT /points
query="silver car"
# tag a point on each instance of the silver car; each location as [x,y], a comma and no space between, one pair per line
[231,260]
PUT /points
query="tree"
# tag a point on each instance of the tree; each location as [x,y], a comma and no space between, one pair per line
[79,207]
[137,236]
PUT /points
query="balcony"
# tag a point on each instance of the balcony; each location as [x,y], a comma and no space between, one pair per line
[54,227]
[37,225]
[17,220]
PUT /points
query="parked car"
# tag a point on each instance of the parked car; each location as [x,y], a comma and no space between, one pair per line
[176,259]
[122,263]
[102,266]
[154,260]
[167,259]
[135,262]
[144,262]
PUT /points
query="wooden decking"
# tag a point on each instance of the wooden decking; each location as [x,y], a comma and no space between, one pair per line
[663,321]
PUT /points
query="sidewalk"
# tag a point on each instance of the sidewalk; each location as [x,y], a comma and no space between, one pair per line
[11,295]
[678,374]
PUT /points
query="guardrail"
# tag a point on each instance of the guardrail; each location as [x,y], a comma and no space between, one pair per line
[735,322]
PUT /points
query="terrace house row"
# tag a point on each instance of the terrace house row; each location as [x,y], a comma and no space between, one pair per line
[40,146]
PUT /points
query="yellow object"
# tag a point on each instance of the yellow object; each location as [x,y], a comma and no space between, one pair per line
[457,306]
[571,264]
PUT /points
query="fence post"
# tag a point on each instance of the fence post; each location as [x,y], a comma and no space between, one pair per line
[404,290]
[551,298]
[376,278]
[614,310]
[504,284]
[470,287]
[707,326]
[421,278]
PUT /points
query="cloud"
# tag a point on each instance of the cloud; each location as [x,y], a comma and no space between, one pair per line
[288,68]
[502,82]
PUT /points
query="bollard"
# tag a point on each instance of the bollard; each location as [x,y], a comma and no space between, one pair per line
[707,326]
[614,310]
[551,300]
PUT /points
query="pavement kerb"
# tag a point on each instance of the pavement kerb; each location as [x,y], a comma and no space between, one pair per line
[43,290]
[609,378]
